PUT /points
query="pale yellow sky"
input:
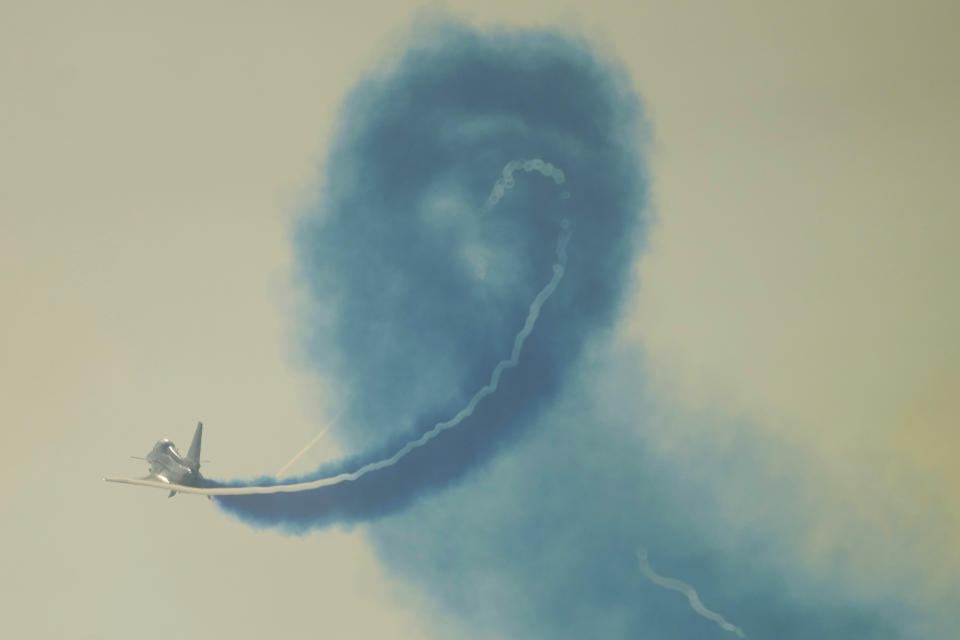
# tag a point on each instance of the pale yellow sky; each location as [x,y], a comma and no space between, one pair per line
[803,270]
[800,274]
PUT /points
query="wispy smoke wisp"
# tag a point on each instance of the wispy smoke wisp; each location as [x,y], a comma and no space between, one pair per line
[679,585]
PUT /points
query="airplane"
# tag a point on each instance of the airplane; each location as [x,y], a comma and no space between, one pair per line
[181,474]
[169,468]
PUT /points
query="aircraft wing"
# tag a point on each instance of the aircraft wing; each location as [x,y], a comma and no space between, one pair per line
[204,491]
[153,481]
[172,486]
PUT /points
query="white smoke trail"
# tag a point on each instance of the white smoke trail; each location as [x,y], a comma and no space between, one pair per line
[310,444]
[559,267]
[679,585]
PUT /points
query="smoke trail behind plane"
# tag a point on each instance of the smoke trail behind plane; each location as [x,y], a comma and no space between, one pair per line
[211,489]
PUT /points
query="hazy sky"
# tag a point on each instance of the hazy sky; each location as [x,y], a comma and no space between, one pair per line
[797,284]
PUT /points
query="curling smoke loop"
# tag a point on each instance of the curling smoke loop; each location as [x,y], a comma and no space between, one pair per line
[507,181]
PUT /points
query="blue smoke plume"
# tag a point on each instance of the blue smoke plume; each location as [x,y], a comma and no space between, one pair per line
[466,260]
[467,179]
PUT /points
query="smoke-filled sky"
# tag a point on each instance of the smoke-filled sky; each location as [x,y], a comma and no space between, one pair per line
[723,315]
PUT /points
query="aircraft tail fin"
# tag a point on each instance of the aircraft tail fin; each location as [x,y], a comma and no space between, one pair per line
[193,455]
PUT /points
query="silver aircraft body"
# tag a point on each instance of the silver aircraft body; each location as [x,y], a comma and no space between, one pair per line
[168,467]
[181,474]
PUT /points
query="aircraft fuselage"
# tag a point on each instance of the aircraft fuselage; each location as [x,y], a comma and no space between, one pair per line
[166,463]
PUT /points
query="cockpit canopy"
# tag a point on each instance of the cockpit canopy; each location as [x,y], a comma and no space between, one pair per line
[165,446]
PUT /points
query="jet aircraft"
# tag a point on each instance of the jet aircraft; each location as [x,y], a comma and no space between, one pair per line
[181,474]
[169,468]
